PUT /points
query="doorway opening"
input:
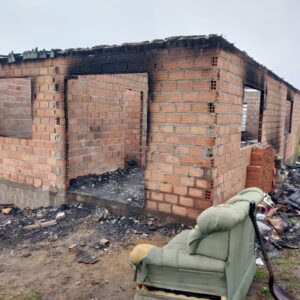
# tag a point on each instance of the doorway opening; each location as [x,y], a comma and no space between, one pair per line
[252,116]
[106,136]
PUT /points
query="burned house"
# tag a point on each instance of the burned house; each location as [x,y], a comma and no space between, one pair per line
[188,111]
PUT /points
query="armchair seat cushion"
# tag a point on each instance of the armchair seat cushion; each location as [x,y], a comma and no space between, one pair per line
[181,259]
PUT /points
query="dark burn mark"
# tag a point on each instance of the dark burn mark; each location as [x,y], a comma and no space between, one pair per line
[116,53]
[254,77]
[290,95]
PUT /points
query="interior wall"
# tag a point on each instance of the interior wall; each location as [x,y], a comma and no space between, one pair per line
[15,107]
[252,99]
[273,131]
[133,125]
[292,139]
[105,118]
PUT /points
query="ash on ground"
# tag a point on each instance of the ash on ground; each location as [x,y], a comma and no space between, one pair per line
[123,185]
[53,223]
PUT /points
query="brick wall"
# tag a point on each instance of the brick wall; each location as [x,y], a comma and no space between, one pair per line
[260,172]
[252,99]
[133,125]
[193,156]
[105,122]
[39,160]
[292,139]
[178,175]
[15,107]
[231,160]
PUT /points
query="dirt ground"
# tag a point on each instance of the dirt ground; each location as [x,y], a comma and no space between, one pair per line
[51,272]
[47,270]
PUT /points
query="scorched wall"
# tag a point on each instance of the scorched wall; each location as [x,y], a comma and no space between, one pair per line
[231,160]
[193,153]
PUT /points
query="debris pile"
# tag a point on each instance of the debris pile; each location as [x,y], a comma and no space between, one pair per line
[123,185]
[278,217]
[52,223]
[39,224]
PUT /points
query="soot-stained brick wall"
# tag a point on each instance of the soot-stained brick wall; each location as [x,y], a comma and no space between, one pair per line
[182,91]
[231,160]
[105,122]
[193,154]
[252,99]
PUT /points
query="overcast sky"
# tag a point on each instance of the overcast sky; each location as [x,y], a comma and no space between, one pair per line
[268,30]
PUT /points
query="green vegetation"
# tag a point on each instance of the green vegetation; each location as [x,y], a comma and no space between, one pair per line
[6,294]
[288,269]
[28,296]
[265,293]
[261,275]
[287,273]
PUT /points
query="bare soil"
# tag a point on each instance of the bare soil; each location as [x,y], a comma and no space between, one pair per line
[45,269]
[51,272]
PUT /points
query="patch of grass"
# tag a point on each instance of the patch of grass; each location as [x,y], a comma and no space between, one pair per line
[284,267]
[8,294]
[287,272]
[261,275]
[298,153]
[265,293]
[28,296]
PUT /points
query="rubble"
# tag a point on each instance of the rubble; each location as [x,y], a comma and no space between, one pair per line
[48,223]
[32,227]
[259,262]
[104,242]
[52,223]
[263,228]
[294,199]
[82,243]
[101,216]
[6,210]
[60,215]
[27,254]
[278,215]
[86,258]
[73,248]
[123,185]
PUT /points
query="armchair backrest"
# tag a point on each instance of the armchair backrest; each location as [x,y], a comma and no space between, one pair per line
[216,224]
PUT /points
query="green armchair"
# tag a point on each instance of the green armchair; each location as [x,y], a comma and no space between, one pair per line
[215,258]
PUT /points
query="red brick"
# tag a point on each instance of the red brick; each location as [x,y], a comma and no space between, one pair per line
[195,192]
[171,198]
[165,207]
[186,201]
[179,210]
[180,190]
[157,196]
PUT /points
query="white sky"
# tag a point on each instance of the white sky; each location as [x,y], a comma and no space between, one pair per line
[268,30]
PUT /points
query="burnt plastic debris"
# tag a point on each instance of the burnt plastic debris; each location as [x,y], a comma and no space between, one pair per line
[294,199]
